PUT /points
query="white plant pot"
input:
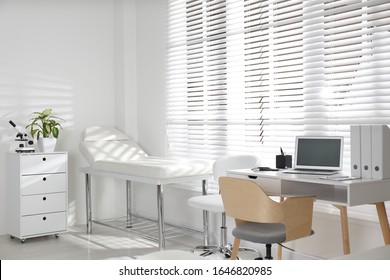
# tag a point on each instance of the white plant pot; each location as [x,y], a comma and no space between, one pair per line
[47,145]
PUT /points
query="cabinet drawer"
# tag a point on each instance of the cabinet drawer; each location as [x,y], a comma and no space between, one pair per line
[43,203]
[43,163]
[43,183]
[43,224]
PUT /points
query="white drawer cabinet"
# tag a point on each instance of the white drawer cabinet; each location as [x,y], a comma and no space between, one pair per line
[37,194]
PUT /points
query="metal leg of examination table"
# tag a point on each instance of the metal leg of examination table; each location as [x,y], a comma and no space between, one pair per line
[160,209]
[129,221]
[206,235]
[88,202]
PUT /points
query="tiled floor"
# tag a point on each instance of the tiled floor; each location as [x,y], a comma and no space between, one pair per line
[104,243]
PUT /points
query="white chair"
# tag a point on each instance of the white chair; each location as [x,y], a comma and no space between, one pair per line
[213,203]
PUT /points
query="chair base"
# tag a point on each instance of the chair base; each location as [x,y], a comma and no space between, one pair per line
[246,249]
[212,249]
[225,250]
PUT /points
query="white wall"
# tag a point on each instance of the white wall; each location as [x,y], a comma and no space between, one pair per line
[151,68]
[126,66]
[58,54]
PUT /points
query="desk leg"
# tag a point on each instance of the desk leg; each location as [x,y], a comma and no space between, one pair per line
[280,252]
[160,209]
[344,228]
[88,202]
[383,220]
[128,204]
[206,235]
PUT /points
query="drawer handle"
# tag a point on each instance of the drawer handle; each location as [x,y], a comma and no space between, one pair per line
[44,159]
[44,218]
[44,179]
[44,198]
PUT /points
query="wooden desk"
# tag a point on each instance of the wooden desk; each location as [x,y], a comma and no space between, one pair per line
[341,194]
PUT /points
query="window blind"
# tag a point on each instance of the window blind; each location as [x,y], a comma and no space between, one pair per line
[248,76]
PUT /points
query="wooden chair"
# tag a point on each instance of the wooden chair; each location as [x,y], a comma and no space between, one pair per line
[262,220]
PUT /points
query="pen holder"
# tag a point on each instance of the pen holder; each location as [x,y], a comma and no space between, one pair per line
[283,161]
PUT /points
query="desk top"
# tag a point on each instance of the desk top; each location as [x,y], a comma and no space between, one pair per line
[335,180]
[347,192]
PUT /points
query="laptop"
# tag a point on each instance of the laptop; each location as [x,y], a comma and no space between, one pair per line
[318,155]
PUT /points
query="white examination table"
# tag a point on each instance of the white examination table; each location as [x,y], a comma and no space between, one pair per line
[112,153]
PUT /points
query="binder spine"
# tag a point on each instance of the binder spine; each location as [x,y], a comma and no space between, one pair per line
[380,140]
[356,170]
[377,151]
[365,151]
[370,151]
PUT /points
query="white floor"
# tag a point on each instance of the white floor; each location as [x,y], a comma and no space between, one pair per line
[103,243]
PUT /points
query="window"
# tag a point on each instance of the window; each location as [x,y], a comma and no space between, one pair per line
[247,76]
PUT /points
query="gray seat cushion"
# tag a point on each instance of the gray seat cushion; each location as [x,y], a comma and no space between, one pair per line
[260,233]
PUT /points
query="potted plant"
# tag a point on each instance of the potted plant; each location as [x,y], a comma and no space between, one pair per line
[45,128]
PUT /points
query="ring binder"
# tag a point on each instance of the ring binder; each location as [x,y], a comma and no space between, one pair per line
[370,151]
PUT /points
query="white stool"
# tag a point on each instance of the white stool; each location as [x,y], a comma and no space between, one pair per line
[213,203]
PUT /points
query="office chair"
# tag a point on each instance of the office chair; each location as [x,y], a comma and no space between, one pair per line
[213,203]
[260,219]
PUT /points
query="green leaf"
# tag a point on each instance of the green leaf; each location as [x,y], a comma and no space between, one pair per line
[33,132]
[55,132]
[46,112]
[43,124]
[46,130]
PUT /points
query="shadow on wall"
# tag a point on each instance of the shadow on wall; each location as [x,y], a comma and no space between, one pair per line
[22,93]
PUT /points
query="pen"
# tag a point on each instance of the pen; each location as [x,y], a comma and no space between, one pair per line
[281,151]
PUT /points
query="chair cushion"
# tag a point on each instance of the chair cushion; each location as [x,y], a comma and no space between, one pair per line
[212,202]
[263,233]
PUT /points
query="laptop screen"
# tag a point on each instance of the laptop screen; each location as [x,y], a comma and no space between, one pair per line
[319,153]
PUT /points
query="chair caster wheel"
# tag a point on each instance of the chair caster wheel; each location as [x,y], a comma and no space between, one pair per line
[206,253]
[258,258]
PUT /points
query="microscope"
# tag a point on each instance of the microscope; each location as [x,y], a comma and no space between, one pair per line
[25,144]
